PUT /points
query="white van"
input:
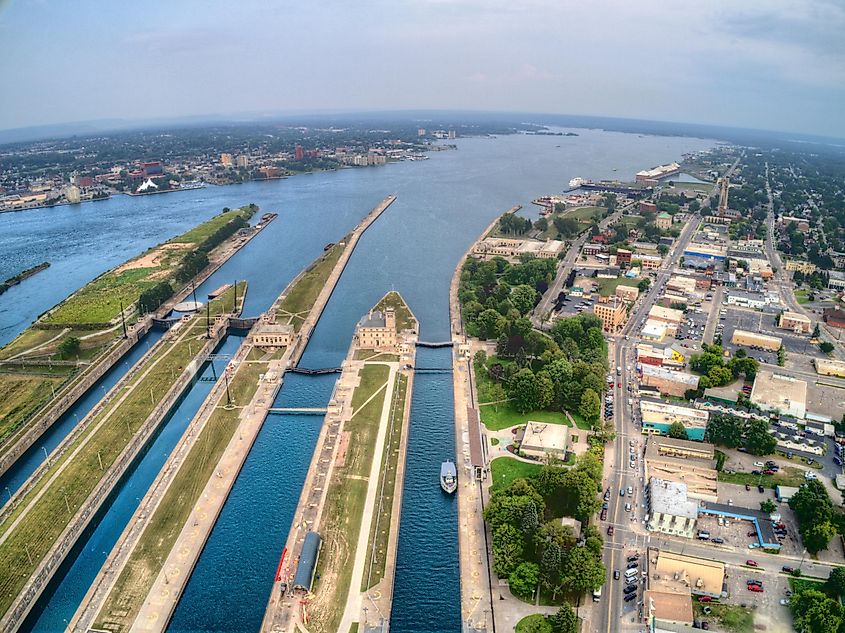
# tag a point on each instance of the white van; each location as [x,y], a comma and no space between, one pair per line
[597,595]
[630,573]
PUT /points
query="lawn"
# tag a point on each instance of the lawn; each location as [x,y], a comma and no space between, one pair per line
[536,623]
[501,416]
[202,232]
[340,524]
[20,396]
[380,531]
[608,286]
[404,319]
[786,477]
[301,298]
[733,618]
[802,296]
[506,469]
[803,584]
[584,214]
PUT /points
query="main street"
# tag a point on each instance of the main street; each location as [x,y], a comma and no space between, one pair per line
[550,296]
[628,533]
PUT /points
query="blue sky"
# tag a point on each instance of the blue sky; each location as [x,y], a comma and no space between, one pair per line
[771,64]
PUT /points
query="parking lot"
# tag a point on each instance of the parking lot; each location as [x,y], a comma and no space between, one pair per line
[692,326]
[764,323]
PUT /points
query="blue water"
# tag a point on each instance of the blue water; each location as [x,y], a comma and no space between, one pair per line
[27,463]
[65,593]
[443,203]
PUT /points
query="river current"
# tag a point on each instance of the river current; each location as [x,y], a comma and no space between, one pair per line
[442,204]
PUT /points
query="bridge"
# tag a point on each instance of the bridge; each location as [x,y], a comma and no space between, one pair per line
[297,410]
[314,372]
[433,370]
[434,344]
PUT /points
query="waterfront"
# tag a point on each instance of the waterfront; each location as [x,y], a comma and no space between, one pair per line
[442,205]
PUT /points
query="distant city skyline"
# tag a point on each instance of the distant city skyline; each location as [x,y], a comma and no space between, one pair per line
[776,64]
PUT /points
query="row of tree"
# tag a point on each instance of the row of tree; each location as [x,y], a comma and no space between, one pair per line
[530,544]
[512,224]
[152,298]
[732,431]
[816,517]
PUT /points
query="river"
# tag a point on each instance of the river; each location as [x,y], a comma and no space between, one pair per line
[442,204]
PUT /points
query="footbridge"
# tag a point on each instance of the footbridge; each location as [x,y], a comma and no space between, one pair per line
[297,410]
[314,372]
[433,370]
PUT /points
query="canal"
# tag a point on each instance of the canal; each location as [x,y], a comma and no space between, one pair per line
[443,203]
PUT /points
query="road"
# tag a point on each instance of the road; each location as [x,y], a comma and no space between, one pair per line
[550,297]
[628,532]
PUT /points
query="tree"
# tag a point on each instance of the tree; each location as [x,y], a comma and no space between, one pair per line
[826,347]
[644,284]
[490,324]
[814,612]
[565,620]
[768,506]
[582,570]
[590,406]
[524,298]
[480,358]
[678,431]
[758,440]
[581,499]
[523,580]
[816,332]
[836,581]
[525,391]
[508,547]
[725,430]
[816,536]
[69,346]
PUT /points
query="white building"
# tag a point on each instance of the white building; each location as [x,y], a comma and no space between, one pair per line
[670,511]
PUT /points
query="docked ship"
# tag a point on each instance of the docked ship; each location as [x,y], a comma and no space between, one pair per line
[448,477]
[576,182]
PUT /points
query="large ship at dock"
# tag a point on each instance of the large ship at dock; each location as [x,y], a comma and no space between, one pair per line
[448,477]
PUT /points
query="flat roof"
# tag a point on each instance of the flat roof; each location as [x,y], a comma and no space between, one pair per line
[669,606]
[476,455]
[545,436]
[701,575]
[665,314]
[762,522]
[778,391]
[670,497]
[774,340]
[670,374]
[824,364]
[663,446]
[795,316]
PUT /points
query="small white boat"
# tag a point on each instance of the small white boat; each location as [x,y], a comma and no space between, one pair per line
[448,477]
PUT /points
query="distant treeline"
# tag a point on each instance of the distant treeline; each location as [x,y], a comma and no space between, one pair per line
[29,272]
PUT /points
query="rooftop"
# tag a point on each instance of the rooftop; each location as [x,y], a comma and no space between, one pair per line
[665,314]
[699,574]
[670,374]
[669,497]
[657,411]
[374,318]
[544,436]
[778,391]
[667,606]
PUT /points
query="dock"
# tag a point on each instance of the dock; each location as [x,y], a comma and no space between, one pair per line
[105,601]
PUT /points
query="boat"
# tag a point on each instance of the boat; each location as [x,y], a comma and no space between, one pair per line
[448,477]
[576,182]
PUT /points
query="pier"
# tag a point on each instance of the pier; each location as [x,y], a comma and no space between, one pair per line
[150,604]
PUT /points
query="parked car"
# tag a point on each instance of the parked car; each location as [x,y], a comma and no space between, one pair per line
[784,601]
[603,516]
[718,540]
[787,569]
[610,530]
[755,588]
[629,589]
[630,597]
[754,581]
[705,599]
[751,563]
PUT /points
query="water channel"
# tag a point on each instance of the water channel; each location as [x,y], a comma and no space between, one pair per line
[443,203]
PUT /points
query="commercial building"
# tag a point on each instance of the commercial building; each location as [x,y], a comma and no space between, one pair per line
[671,317]
[830,367]
[836,280]
[650,262]
[669,509]
[623,256]
[796,265]
[660,356]
[242,161]
[627,293]
[612,314]
[653,175]
[783,394]
[701,576]
[670,382]
[659,416]
[682,285]
[682,461]
[706,251]
[654,332]
[226,160]
[667,611]
[541,439]
[753,339]
[513,248]
[746,300]
[834,317]
[798,323]
[378,331]
[663,221]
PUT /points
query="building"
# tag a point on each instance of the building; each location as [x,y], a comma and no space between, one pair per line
[785,493]
[654,332]
[655,174]
[798,323]
[623,257]
[593,249]
[830,367]
[661,356]
[779,393]
[834,317]
[682,285]
[513,248]
[701,577]
[272,335]
[669,509]
[378,330]
[627,293]
[647,207]
[746,300]
[226,160]
[706,251]
[671,317]
[270,172]
[612,314]
[541,439]
[796,265]
[667,611]
[659,416]
[650,262]
[668,381]
[243,161]
[836,280]
[663,221]
[683,461]
[753,339]
[307,565]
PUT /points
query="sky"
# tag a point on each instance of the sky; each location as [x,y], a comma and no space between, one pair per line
[764,64]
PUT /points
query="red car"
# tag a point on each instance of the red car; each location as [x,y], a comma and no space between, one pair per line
[603,514]
[769,472]
[751,563]
[705,598]
[755,588]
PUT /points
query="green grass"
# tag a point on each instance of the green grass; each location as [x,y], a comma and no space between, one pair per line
[27,340]
[802,296]
[506,469]
[344,506]
[803,584]
[786,477]
[502,416]
[404,318]
[303,295]
[20,396]
[49,515]
[536,623]
[202,232]
[733,618]
[379,541]
[607,287]
[584,214]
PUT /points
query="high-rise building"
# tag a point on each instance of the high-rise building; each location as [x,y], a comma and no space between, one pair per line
[299,153]
[421,131]
[243,161]
[226,159]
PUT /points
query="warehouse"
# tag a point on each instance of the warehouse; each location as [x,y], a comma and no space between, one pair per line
[754,340]
[304,578]
[779,393]
[669,509]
